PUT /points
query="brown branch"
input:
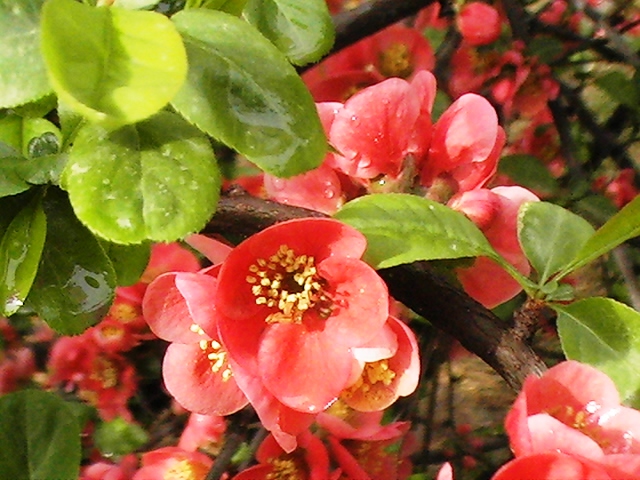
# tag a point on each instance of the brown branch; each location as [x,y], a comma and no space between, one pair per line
[370,17]
[416,285]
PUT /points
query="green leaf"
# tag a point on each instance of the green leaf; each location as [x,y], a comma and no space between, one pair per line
[241,90]
[11,182]
[529,172]
[605,334]
[234,7]
[129,261]
[303,31]
[550,236]
[155,180]
[74,286]
[119,437]
[135,4]
[112,65]
[404,228]
[621,227]
[20,252]
[23,76]
[620,88]
[42,170]
[40,437]
[547,49]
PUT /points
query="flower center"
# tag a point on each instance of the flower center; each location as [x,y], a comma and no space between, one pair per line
[284,468]
[215,353]
[375,375]
[105,372]
[289,283]
[395,61]
[185,470]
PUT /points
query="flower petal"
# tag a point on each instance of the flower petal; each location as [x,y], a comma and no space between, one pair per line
[166,311]
[188,376]
[305,370]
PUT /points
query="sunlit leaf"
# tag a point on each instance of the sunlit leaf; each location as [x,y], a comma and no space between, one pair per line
[112,65]
[23,76]
[404,228]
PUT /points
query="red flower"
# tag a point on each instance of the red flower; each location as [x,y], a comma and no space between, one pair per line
[385,377]
[397,51]
[196,370]
[465,145]
[552,466]
[344,422]
[104,379]
[309,461]
[294,300]
[202,432]
[479,23]
[173,462]
[575,410]
[495,212]
[380,126]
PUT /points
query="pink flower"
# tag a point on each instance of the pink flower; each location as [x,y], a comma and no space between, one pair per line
[102,378]
[495,212]
[173,462]
[196,371]
[383,459]
[293,301]
[344,422]
[479,23]
[124,470]
[620,189]
[397,51]
[465,145]
[388,375]
[574,410]
[202,432]
[382,125]
[310,460]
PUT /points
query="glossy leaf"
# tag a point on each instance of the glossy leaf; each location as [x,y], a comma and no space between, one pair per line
[605,334]
[241,90]
[42,170]
[550,235]
[621,227]
[112,65]
[40,437]
[20,251]
[23,77]
[129,261]
[404,228]
[155,180]
[303,31]
[74,286]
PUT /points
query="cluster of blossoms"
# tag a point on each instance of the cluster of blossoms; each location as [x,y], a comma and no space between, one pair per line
[93,365]
[287,322]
